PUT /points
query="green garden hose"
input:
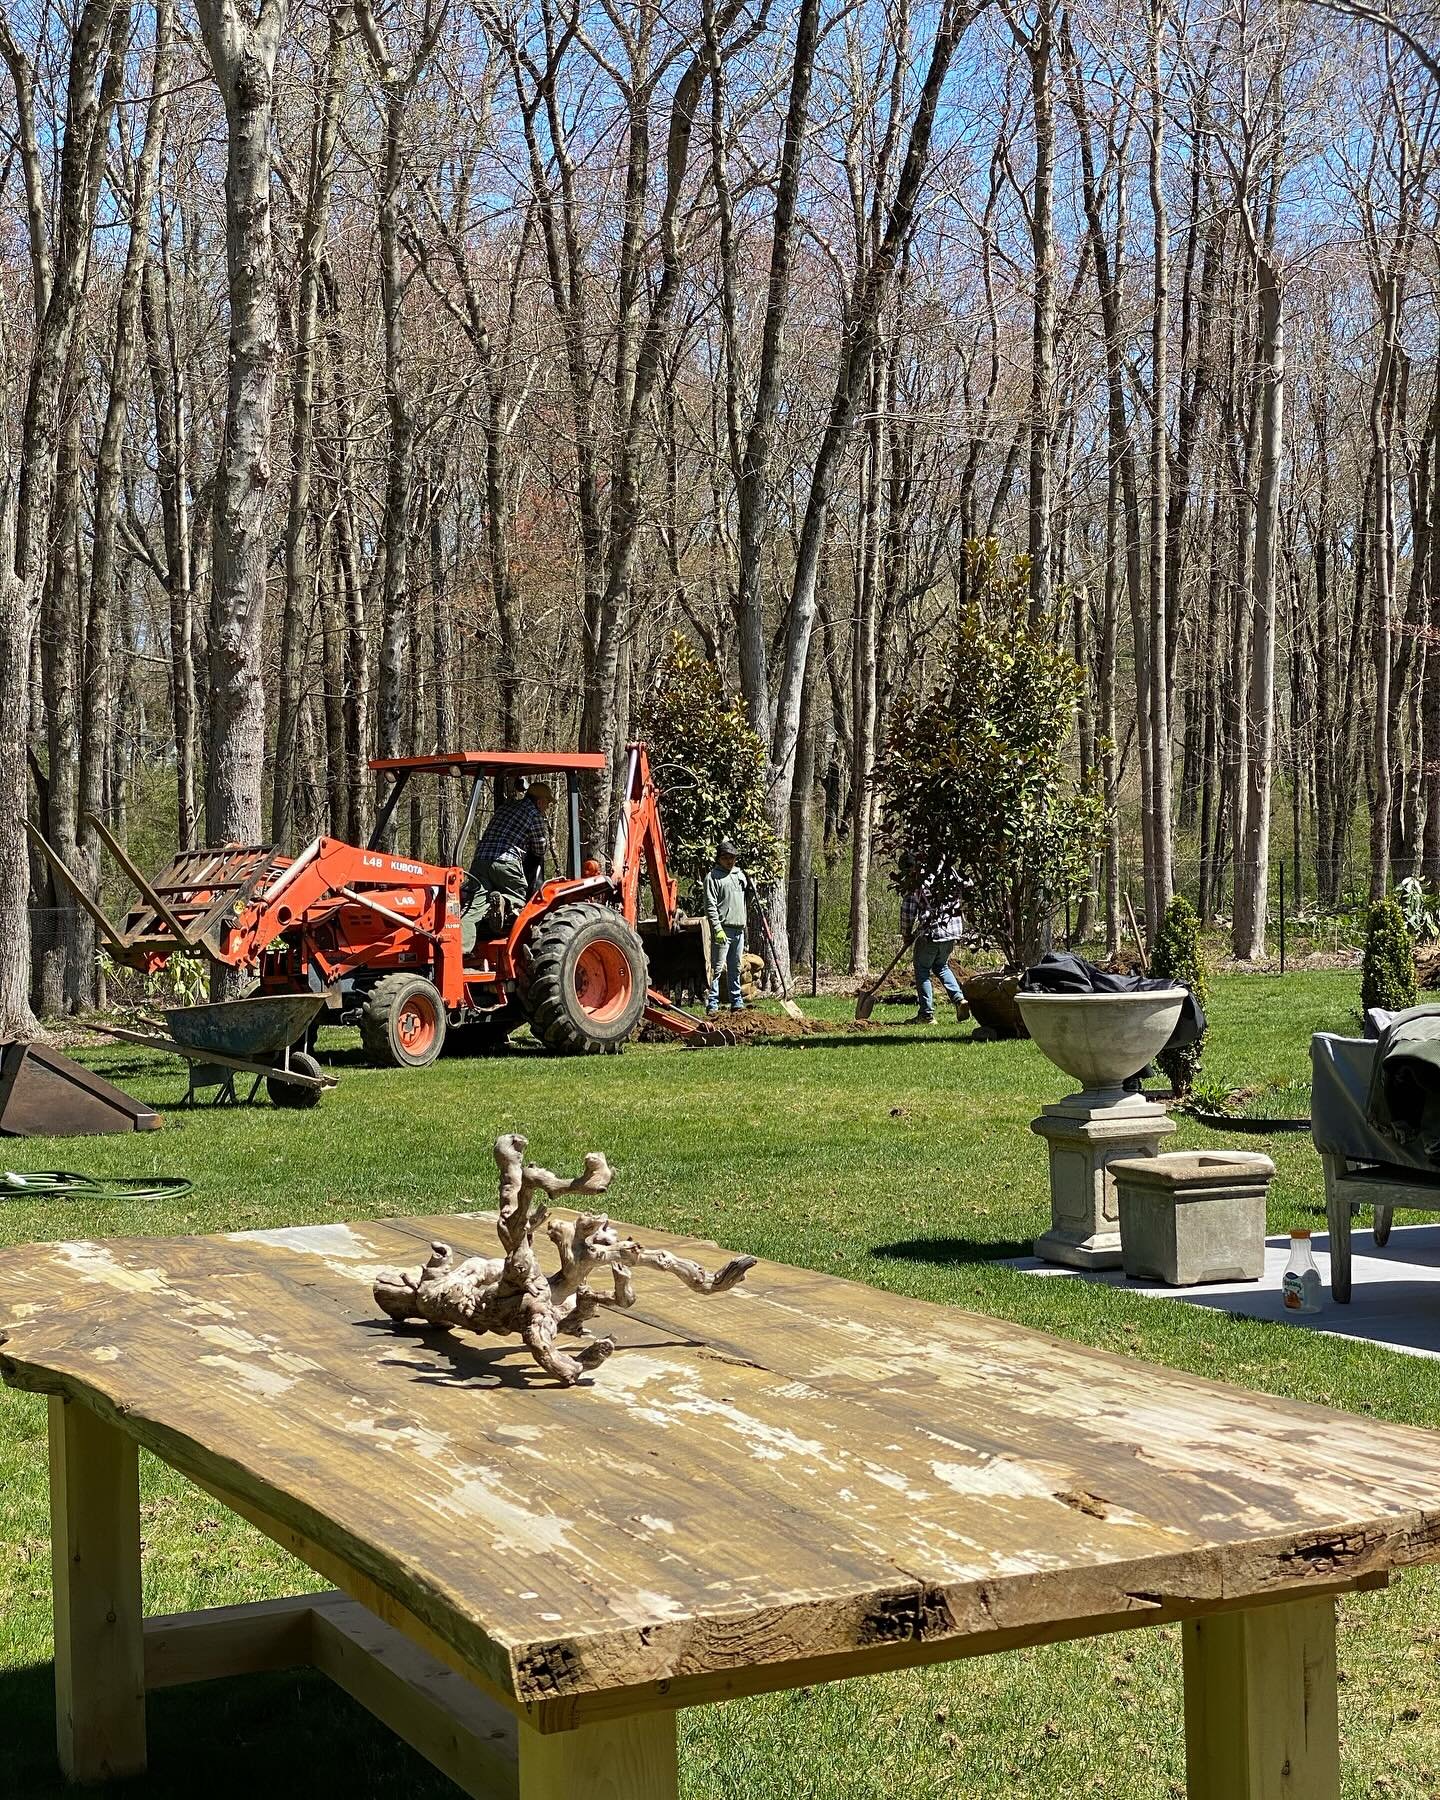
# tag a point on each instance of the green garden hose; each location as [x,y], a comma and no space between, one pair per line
[53,1183]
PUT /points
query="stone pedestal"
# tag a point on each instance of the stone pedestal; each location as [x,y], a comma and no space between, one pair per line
[1084,1139]
[1194,1216]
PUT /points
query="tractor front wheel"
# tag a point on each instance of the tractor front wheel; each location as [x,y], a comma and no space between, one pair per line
[583,979]
[402,1022]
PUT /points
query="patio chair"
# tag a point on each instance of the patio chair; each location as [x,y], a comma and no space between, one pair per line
[1374,1108]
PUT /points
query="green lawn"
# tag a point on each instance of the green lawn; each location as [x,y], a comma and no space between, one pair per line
[900,1157]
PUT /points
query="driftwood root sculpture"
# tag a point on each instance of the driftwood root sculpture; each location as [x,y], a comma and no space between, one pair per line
[511,1295]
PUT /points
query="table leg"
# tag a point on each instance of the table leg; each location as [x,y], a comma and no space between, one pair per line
[99,1630]
[625,1759]
[1260,1704]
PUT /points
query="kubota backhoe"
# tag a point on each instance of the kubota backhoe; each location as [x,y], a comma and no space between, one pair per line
[382,933]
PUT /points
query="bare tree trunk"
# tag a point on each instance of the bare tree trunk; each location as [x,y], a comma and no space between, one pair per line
[1382,561]
[299,531]
[862,676]
[1037,43]
[442,638]
[799,908]
[242,56]
[338,453]
[395,604]
[1428,485]
[1212,650]
[1252,882]
[1122,532]
[753,479]
[397,611]
[871,291]
[98,681]
[1085,721]
[59,643]
[167,387]
[1327,736]
[1160,880]
[59,271]
[1109,757]
[332,626]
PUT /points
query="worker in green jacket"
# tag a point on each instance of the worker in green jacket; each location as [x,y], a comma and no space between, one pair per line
[726,886]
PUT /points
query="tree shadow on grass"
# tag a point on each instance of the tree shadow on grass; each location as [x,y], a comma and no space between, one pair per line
[126,1068]
[284,1735]
[842,1038]
[950,1252]
[336,1057]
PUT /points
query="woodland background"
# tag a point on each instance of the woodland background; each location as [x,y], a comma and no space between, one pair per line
[379,377]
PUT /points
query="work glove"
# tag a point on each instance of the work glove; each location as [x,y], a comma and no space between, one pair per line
[721,938]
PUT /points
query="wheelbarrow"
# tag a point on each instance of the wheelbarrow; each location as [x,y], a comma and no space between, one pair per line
[255,1037]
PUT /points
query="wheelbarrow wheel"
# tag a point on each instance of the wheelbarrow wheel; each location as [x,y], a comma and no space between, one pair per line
[402,1023]
[288,1093]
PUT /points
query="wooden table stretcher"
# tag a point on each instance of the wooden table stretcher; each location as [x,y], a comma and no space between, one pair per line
[804,1480]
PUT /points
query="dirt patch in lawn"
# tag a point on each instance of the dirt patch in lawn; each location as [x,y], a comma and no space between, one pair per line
[752,1026]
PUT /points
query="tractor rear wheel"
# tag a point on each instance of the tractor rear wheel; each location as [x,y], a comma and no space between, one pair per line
[402,1022]
[583,979]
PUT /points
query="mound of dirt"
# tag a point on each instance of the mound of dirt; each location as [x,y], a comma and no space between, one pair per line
[752,1027]
[750,1024]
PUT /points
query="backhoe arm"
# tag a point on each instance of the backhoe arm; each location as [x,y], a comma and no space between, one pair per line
[640,845]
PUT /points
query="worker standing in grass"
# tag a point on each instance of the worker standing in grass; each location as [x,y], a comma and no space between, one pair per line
[935,929]
[509,860]
[725,889]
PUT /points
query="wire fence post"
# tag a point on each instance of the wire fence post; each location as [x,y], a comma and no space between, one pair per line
[814,936]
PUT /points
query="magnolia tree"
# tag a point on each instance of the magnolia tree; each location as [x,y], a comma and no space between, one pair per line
[981,796]
[711,769]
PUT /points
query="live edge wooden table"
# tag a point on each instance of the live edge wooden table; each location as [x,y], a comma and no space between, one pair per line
[803,1480]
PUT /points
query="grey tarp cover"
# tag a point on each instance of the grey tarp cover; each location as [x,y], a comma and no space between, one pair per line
[1405,1088]
[1378,1100]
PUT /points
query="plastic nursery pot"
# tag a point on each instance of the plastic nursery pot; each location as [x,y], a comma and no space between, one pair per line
[991,995]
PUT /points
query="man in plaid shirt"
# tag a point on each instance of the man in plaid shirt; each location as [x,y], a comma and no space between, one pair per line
[509,860]
[935,929]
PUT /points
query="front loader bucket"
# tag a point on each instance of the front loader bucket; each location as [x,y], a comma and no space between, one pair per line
[45,1094]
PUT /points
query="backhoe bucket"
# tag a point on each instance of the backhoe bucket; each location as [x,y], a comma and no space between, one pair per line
[677,958]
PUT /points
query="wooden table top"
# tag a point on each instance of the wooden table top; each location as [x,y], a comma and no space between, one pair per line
[803,1474]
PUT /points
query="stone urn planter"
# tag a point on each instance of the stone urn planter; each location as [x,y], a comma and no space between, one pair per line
[1102,1040]
[991,995]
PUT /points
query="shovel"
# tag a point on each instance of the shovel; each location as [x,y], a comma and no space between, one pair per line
[1139,940]
[787,1005]
[865,1005]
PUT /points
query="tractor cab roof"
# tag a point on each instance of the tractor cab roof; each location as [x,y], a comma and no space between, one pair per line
[495,762]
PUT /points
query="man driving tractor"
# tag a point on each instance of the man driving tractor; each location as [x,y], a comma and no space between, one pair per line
[509,861]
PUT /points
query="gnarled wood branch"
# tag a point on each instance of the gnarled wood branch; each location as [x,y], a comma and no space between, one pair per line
[510,1295]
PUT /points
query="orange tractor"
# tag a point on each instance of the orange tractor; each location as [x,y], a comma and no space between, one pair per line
[381,934]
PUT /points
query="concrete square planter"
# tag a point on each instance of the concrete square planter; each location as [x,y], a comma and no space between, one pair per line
[1193,1216]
